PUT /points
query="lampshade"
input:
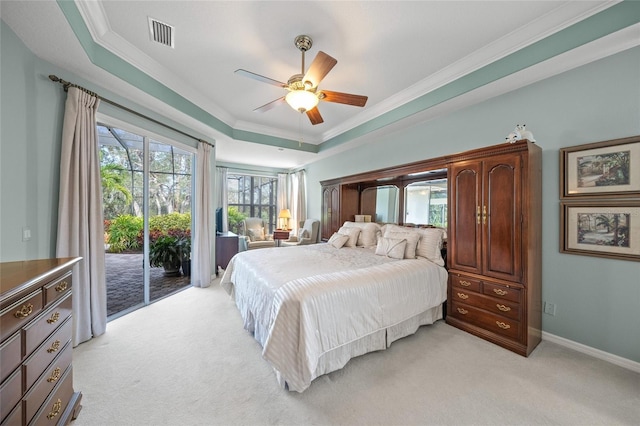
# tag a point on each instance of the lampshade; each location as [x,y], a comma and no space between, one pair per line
[284,214]
[302,100]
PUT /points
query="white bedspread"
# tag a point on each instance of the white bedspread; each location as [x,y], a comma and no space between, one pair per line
[301,302]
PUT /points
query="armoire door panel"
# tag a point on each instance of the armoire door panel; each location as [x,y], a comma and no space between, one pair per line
[502,232]
[465,235]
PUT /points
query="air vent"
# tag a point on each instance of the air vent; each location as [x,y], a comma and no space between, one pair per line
[161,32]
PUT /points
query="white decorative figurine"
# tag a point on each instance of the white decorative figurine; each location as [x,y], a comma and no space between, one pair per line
[520,132]
[526,134]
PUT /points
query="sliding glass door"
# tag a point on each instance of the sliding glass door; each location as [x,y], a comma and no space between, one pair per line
[147,199]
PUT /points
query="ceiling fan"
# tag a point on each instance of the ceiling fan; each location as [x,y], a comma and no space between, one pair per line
[304,94]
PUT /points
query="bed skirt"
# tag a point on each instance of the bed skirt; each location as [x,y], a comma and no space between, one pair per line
[337,358]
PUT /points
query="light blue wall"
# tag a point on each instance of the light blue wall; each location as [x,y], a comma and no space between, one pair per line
[597,299]
[31,114]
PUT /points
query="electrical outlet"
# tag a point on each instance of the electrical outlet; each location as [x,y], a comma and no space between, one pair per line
[549,308]
[26,234]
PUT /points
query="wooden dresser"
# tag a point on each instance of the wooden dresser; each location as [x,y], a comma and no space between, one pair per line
[226,248]
[36,380]
[494,244]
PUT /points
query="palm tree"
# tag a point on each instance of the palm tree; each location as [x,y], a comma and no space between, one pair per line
[114,188]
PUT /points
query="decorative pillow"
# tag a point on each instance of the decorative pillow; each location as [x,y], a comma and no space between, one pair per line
[256,234]
[412,238]
[430,244]
[352,233]
[369,233]
[391,247]
[338,240]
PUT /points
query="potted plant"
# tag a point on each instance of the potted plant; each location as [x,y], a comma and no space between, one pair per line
[184,245]
[165,252]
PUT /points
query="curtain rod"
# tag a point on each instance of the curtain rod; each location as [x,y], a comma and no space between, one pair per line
[67,84]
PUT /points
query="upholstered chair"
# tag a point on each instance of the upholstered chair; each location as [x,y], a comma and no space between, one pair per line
[308,233]
[255,234]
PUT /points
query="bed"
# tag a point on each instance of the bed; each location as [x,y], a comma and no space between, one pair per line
[312,308]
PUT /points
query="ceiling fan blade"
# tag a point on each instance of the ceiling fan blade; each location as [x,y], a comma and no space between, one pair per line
[319,68]
[314,116]
[343,98]
[270,105]
[260,78]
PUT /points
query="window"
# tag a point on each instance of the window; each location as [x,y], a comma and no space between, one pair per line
[426,203]
[253,196]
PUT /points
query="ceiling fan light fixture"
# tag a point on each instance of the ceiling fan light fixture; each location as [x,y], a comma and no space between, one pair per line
[302,100]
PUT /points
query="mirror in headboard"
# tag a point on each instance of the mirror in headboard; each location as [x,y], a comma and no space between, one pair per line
[425,202]
[381,202]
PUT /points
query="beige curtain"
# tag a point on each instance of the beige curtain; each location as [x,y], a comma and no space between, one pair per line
[299,196]
[204,236]
[80,225]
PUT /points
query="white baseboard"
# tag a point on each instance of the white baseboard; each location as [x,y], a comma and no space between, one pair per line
[596,353]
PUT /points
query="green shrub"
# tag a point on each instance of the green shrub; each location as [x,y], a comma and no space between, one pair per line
[172,221]
[235,219]
[123,233]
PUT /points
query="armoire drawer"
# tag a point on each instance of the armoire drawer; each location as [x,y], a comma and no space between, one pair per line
[507,293]
[467,283]
[491,304]
[488,321]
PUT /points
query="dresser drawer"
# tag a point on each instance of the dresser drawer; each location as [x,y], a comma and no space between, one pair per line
[10,356]
[19,313]
[55,344]
[493,323]
[501,291]
[38,330]
[38,393]
[52,409]
[470,284]
[15,418]
[57,288]
[10,393]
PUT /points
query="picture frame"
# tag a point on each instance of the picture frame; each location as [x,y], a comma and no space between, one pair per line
[608,169]
[608,229]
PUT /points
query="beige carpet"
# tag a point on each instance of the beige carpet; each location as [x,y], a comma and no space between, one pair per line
[186,360]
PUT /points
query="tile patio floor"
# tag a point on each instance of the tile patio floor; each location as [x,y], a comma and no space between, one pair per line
[125,282]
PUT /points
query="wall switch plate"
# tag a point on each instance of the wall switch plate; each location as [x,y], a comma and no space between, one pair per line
[26,234]
[549,308]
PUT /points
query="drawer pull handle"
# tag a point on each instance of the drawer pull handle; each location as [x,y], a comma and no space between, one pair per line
[499,291]
[465,283]
[463,296]
[54,318]
[55,409]
[503,325]
[55,375]
[54,347]
[503,308]
[463,311]
[61,287]
[24,312]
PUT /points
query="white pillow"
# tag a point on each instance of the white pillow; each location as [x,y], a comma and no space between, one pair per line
[369,233]
[412,238]
[256,234]
[338,240]
[430,244]
[352,233]
[391,247]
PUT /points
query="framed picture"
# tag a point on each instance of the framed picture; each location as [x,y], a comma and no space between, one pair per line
[602,169]
[601,228]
